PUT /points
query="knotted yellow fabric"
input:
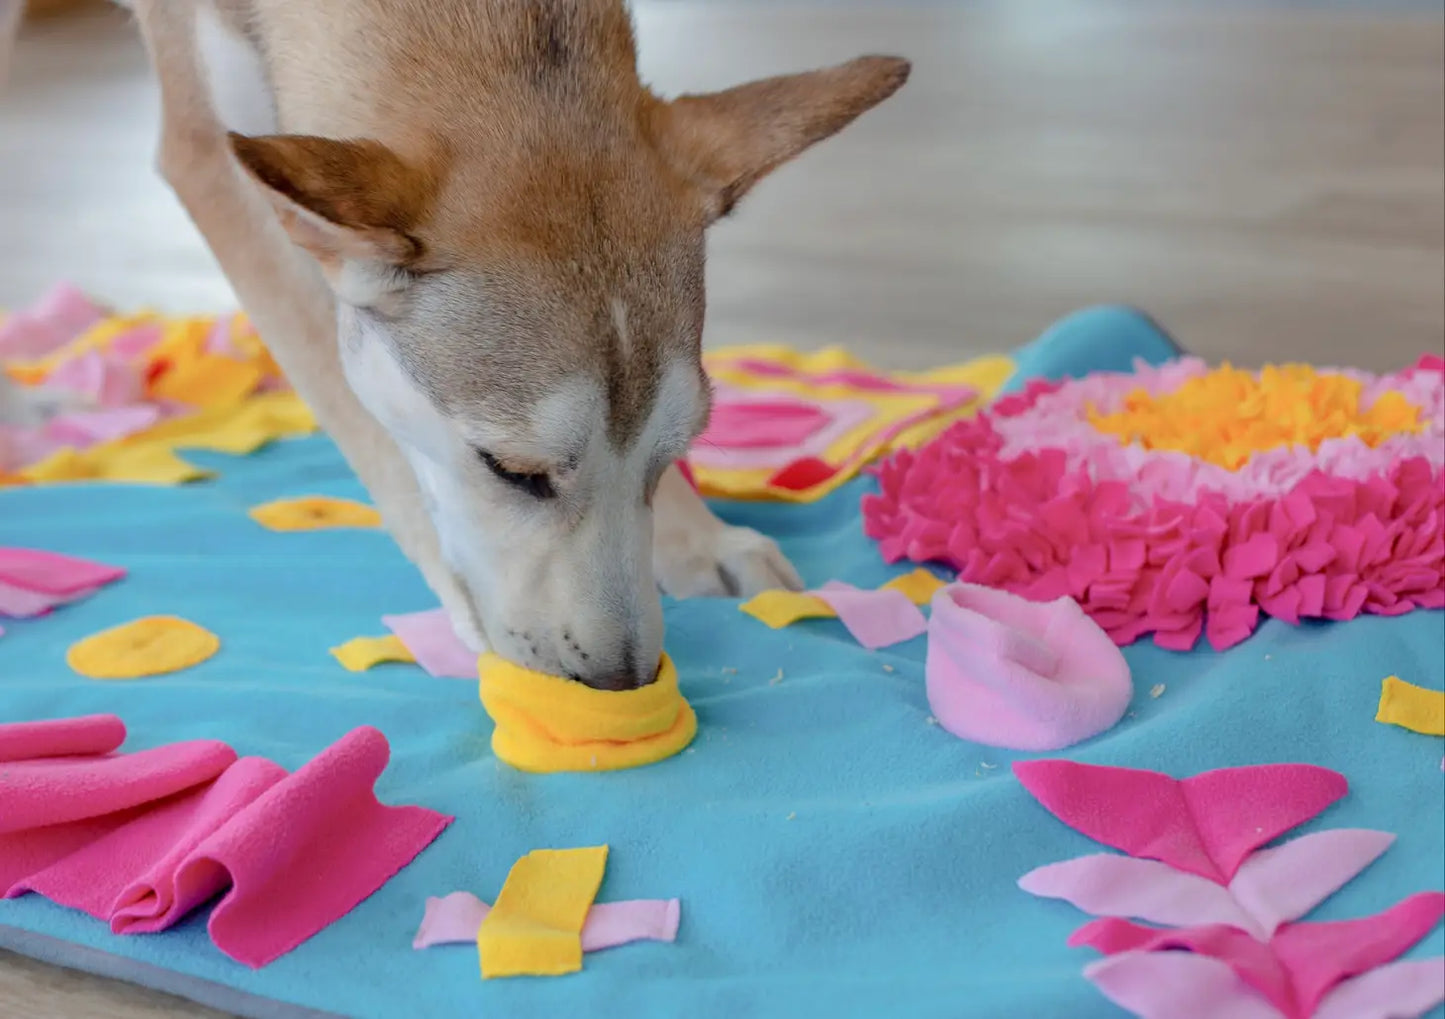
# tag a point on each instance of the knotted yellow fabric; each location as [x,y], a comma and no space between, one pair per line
[547,723]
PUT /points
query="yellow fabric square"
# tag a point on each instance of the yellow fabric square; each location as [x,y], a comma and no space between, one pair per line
[535,926]
[919,587]
[361,653]
[783,608]
[314,513]
[1411,707]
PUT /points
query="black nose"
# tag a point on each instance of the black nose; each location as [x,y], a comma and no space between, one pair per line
[623,676]
[614,681]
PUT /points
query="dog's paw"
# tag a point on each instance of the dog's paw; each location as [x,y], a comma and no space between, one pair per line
[721,561]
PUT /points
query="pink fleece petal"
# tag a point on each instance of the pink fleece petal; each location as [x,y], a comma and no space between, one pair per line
[1252,960]
[876,619]
[53,573]
[454,919]
[1401,990]
[434,644]
[1277,885]
[1320,955]
[1177,985]
[1104,884]
[1204,825]
[1004,671]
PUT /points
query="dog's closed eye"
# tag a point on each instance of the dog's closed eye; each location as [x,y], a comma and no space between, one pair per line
[538,486]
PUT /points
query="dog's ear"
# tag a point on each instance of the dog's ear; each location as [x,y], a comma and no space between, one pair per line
[727,141]
[351,204]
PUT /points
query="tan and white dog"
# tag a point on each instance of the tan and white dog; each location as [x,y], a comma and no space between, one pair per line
[474,241]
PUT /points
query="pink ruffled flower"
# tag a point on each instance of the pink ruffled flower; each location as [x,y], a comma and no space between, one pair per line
[1031,498]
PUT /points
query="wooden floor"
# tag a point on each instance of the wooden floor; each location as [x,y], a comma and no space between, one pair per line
[1265,178]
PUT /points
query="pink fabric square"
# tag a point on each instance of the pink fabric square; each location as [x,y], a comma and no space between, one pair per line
[434,644]
[876,619]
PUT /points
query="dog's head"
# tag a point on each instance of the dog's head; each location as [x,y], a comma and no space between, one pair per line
[522,311]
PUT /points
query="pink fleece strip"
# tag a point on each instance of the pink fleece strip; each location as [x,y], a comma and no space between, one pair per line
[453,919]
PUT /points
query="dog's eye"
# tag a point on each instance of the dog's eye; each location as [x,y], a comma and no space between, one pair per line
[538,486]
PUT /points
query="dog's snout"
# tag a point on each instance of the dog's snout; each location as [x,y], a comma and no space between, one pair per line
[626,675]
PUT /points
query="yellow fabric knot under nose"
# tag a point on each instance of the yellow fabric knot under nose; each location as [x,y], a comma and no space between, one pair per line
[547,723]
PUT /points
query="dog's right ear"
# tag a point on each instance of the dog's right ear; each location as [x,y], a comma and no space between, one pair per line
[351,204]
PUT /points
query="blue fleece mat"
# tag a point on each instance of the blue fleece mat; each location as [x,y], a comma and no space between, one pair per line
[834,854]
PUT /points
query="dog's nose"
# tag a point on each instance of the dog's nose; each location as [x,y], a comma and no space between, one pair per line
[613,681]
[625,676]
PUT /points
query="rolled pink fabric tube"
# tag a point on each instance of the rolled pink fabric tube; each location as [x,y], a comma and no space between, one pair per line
[1008,672]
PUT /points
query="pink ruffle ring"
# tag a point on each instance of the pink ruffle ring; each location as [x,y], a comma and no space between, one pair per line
[1008,672]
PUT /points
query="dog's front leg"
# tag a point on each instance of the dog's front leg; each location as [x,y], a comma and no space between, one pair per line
[283,293]
[696,554]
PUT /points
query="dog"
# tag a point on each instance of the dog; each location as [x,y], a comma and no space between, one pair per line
[474,241]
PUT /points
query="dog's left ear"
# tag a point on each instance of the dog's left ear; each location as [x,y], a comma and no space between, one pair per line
[725,142]
[354,205]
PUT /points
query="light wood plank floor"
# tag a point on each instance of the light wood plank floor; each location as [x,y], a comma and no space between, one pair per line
[1265,178]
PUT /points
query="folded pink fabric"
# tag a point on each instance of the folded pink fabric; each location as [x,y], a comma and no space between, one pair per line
[141,839]
[1008,672]
[52,573]
[61,737]
[453,919]
[434,644]
[57,790]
